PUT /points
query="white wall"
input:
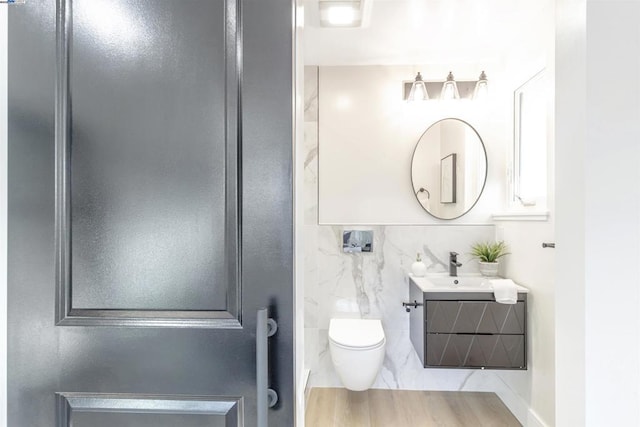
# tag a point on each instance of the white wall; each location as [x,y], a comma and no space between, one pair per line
[612,229]
[533,266]
[597,152]
[570,122]
[367,135]
[3,215]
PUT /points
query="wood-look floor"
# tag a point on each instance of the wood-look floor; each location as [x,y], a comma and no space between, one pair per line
[333,407]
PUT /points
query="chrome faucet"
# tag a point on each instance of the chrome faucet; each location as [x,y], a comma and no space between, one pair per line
[453,264]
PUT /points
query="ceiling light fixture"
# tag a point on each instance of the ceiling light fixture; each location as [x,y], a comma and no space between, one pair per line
[344,14]
[341,15]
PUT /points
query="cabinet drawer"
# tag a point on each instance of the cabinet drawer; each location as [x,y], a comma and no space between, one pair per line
[475,351]
[483,317]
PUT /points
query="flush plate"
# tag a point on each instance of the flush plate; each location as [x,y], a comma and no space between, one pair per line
[354,241]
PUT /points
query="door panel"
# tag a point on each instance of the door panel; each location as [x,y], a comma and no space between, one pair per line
[86,410]
[129,419]
[147,203]
[146,82]
[150,210]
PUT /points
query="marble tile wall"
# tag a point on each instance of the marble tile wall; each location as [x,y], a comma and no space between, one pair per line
[375,283]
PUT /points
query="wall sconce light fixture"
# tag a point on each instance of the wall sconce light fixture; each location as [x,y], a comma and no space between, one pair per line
[448,89]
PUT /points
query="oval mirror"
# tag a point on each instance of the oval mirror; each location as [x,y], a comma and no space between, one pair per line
[449,168]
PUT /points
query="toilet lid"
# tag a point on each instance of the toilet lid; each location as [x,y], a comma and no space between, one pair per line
[356,332]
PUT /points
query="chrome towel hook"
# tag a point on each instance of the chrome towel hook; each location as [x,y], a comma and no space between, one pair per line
[424,190]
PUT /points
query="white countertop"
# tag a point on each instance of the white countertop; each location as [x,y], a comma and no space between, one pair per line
[466,283]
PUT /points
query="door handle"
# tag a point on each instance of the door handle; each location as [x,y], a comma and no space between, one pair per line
[267,397]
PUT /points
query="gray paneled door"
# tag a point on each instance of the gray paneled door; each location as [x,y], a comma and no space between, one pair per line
[150,211]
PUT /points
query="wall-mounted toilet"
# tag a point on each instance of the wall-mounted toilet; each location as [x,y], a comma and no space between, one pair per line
[357,351]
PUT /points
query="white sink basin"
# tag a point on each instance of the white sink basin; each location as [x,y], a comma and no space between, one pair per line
[443,283]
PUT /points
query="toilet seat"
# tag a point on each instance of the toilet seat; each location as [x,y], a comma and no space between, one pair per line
[352,348]
[356,334]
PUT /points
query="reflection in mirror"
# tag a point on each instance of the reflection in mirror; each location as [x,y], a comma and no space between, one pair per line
[449,168]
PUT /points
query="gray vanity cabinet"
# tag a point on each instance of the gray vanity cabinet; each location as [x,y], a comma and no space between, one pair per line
[468,330]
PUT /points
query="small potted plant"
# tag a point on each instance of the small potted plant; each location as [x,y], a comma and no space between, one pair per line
[488,254]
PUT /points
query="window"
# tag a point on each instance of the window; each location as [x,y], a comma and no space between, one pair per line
[529,186]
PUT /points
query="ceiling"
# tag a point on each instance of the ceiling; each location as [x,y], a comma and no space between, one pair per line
[433,31]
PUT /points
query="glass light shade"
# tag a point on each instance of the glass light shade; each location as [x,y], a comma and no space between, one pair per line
[418,90]
[450,88]
[481,91]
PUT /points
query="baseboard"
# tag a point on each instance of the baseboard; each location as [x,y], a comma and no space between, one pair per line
[521,410]
[305,381]
[302,385]
[534,420]
[302,397]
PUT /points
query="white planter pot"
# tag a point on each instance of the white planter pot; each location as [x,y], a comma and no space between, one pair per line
[489,269]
